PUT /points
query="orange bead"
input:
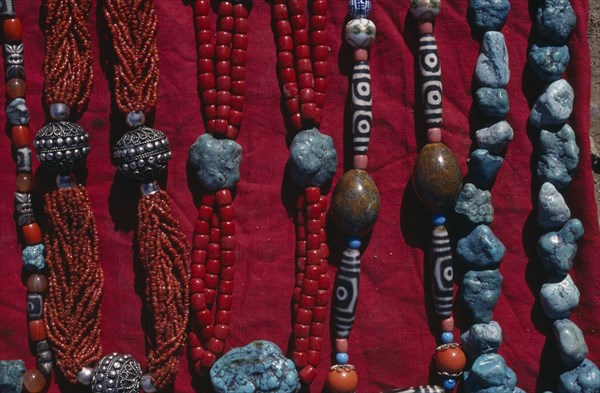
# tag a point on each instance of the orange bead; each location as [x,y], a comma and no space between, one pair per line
[342,379]
[450,360]
[34,381]
[25,182]
[37,330]
[20,136]
[32,234]
[13,30]
[15,88]
[37,283]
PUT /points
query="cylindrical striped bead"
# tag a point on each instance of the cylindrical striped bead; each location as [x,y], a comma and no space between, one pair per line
[362,102]
[441,271]
[346,293]
[418,389]
[431,81]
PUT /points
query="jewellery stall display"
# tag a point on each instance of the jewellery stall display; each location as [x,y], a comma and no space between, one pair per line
[396,328]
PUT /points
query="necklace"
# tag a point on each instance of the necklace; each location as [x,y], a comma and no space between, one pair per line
[33,380]
[216,158]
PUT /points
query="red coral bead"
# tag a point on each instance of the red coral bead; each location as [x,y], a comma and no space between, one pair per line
[342,380]
[450,360]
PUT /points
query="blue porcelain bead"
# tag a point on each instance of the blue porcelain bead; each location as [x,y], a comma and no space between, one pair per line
[359,8]
[489,14]
[493,102]
[33,257]
[549,62]
[341,358]
[448,383]
[135,119]
[439,219]
[446,337]
[556,20]
[354,242]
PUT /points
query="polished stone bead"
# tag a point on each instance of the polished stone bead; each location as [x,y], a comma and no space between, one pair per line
[59,111]
[557,250]
[313,159]
[17,112]
[25,182]
[216,161]
[584,378]
[556,20]
[490,373]
[34,381]
[482,338]
[37,283]
[493,102]
[359,8]
[559,156]
[494,138]
[37,329]
[355,202]
[559,298]
[13,30]
[483,168]
[554,106]
[35,306]
[360,33]
[437,177]
[481,249]
[342,379]
[481,293]
[20,136]
[33,257]
[425,9]
[489,14]
[492,64]
[549,62]
[553,211]
[258,367]
[15,88]
[11,376]
[475,205]
[571,343]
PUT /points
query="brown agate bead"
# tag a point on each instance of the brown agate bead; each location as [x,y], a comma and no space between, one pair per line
[34,381]
[25,182]
[437,177]
[342,379]
[450,359]
[355,202]
[37,330]
[37,283]
[13,30]
[15,88]
[20,136]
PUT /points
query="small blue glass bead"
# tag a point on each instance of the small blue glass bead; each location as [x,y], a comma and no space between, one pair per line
[447,337]
[448,383]
[439,219]
[341,358]
[354,242]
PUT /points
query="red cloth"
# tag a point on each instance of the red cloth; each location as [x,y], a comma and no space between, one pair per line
[394,333]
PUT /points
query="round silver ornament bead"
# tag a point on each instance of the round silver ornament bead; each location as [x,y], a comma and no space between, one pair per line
[117,373]
[61,146]
[142,153]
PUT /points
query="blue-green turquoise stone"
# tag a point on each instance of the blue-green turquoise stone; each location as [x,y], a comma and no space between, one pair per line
[572,348]
[559,298]
[554,106]
[256,368]
[492,102]
[33,257]
[489,14]
[11,376]
[216,161]
[492,64]
[553,211]
[584,378]
[549,62]
[313,158]
[483,168]
[481,290]
[559,156]
[482,338]
[490,374]
[494,138]
[557,250]
[556,20]
[475,205]
[480,249]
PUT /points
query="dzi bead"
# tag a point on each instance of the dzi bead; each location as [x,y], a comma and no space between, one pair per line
[362,117]
[442,271]
[437,177]
[117,373]
[431,81]
[35,306]
[355,202]
[346,293]
[23,159]
[61,146]
[142,153]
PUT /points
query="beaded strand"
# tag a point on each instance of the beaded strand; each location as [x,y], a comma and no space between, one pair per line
[33,380]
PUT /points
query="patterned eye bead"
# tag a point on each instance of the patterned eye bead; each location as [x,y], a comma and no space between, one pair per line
[360,33]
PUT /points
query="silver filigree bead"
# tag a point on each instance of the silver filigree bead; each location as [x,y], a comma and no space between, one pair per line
[84,377]
[142,153]
[59,111]
[54,151]
[117,373]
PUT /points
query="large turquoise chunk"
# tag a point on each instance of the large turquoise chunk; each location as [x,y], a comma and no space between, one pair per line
[493,102]
[584,378]
[556,20]
[482,338]
[313,158]
[259,367]
[11,376]
[490,374]
[559,156]
[481,290]
[557,250]
[475,205]
[489,14]
[549,62]
[492,64]
[554,106]
[483,167]
[481,249]
[559,298]
[572,348]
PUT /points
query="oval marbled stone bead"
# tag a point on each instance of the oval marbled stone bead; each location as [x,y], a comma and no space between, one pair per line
[437,177]
[355,202]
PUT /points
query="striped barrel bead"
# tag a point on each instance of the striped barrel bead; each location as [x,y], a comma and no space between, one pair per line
[359,8]
[362,102]
[442,271]
[431,81]
[346,293]
[418,389]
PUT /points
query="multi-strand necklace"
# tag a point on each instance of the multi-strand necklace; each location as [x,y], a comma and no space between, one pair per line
[33,380]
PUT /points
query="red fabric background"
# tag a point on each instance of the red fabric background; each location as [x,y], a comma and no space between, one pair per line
[393,339]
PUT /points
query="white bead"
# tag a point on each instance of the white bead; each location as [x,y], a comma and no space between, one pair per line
[360,33]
